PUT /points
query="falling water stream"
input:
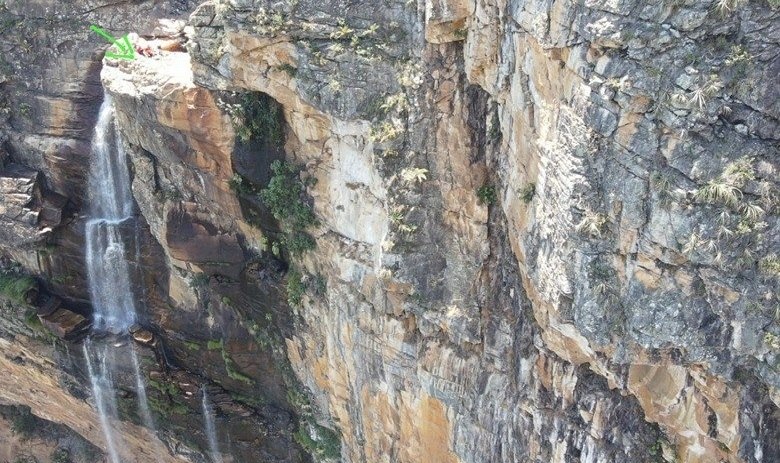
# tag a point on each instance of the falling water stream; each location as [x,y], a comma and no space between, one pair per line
[110,288]
[211,432]
[143,401]
[111,205]
[101,386]
[111,210]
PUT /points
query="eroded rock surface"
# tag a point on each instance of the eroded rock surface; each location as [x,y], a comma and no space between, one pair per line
[602,130]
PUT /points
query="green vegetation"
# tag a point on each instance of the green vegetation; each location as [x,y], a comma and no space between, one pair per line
[167,406]
[291,70]
[270,22]
[726,7]
[702,94]
[240,186]
[62,279]
[14,286]
[48,249]
[320,285]
[353,38]
[656,449]
[770,265]
[253,401]
[295,288]
[494,132]
[169,401]
[717,191]
[772,340]
[738,59]
[60,455]
[170,194]
[316,439]
[284,196]
[24,423]
[262,336]
[726,190]
[414,175]
[232,369]
[601,279]
[258,117]
[298,242]
[385,132]
[527,192]
[199,280]
[32,320]
[398,218]
[663,185]
[592,224]
[487,194]
[165,387]
[230,364]
[24,110]
[298,285]
[297,398]
[192,345]
[322,442]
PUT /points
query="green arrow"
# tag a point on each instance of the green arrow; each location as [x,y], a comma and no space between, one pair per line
[126,50]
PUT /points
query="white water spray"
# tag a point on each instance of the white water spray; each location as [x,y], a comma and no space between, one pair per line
[111,204]
[211,432]
[108,271]
[101,386]
[140,387]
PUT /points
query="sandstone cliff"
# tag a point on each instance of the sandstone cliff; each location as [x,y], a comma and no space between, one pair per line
[541,231]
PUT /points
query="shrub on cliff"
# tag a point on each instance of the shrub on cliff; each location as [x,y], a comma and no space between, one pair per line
[256,116]
[23,422]
[16,287]
[285,197]
[318,440]
[61,455]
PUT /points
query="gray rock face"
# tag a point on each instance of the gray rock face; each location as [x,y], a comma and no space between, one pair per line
[28,212]
[19,195]
[644,247]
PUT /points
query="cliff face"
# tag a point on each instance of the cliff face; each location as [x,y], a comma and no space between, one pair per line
[545,231]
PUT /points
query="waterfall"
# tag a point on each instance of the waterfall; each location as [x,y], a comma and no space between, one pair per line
[102,389]
[108,271]
[111,205]
[140,387]
[211,432]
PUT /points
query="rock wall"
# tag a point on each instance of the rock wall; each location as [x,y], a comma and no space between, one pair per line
[25,436]
[546,231]
[604,134]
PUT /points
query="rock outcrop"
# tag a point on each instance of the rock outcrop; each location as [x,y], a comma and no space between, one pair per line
[25,437]
[638,284]
[27,211]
